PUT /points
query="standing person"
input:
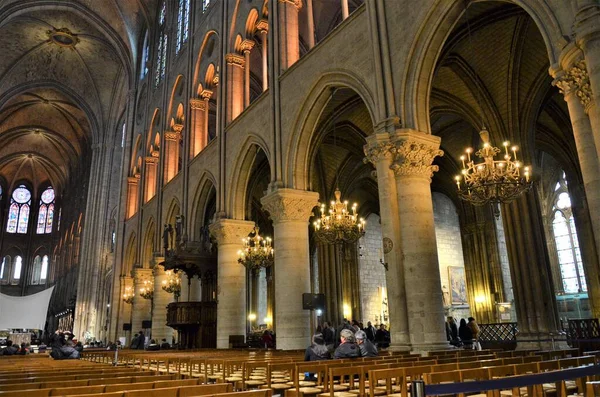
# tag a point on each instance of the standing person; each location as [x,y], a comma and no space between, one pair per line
[382,337]
[348,347]
[328,335]
[465,334]
[475,330]
[135,342]
[141,341]
[317,351]
[367,348]
[452,331]
[370,331]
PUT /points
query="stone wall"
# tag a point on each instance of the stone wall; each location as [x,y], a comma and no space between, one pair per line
[371,271]
[506,280]
[449,248]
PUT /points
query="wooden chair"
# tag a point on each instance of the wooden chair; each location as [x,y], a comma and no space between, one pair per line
[472,375]
[280,376]
[346,375]
[390,381]
[128,386]
[320,373]
[73,391]
[202,390]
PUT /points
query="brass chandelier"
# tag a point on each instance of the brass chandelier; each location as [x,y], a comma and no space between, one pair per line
[338,225]
[147,291]
[492,181]
[128,295]
[172,284]
[257,252]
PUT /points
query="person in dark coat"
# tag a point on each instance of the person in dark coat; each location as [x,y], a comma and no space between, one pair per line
[165,344]
[367,348]
[348,347]
[465,334]
[153,345]
[370,331]
[135,342]
[328,335]
[452,331]
[10,349]
[317,351]
[382,337]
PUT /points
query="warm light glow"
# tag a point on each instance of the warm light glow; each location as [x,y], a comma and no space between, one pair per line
[257,251]
[347,311]
[339,224]
[480,299]
[268,320]
[251,316]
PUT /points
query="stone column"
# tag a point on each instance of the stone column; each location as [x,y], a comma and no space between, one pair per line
[231,282]
[235,85]
[379,151]
[151,168]
[345,11]
[290,211]
[141,308]
[289,34]
[172,139]
[133,186]
[414,154]
[537,313]
[124,310]
[310,16]
[161,299]
[587,151]
[263,27]
[247,46]
[198,132]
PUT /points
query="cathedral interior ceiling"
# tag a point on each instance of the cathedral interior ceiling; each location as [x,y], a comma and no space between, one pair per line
[64,73]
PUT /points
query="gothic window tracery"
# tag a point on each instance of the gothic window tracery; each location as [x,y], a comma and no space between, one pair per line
[40,270]
[567,243]
[17,265]
[5,269]
[46,212]
[18,213]
[161,52]
[183,22]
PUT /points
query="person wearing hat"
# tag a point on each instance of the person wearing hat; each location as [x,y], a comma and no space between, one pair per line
[367,348]
[317,351]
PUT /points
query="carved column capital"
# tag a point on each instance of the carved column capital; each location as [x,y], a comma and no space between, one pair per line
[197,104]
[230,231]
[133,180]
[378,147]
[247,45]
[414,154]
[178,128]
[152,159]
[290,204]
[576,80]
[206,94]
[262,26]
[141,274]
[235,60]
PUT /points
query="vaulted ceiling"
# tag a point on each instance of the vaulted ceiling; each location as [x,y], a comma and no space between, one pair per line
[493,71]
[65,71]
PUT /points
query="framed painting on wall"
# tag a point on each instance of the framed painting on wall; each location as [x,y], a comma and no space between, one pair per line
[458,285]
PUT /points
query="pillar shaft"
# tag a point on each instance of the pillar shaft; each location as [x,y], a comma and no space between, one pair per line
[198,133]
[160,301]
[231,282]
[265,59]
[345,11]
[172,154]
[289,34]
[141,308]
[414,154]
[235,85]
[290,211]
[150,185]
[133,185]
[379,150]
[311,24]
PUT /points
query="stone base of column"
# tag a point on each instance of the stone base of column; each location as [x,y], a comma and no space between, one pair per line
[429,347]
[399,347]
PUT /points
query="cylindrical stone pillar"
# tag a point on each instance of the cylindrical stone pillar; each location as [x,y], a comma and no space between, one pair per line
[289,36]
[160,302]
[379,151]
[150,185]
[345,10]
[231,281]
[133,186]
[235,85]
[414,154]
[142,308]
[290,211]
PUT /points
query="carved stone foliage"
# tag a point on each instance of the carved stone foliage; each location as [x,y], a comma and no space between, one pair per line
[376,152]
[290,205]
[576,80]
[230,231]
[413,158]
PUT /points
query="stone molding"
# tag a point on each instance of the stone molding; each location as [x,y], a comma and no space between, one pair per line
[207,94]
[247,45]
[290,204]
[133,180]
[152,159]
[235,59]
[376,150]
[158,270]
[197,104]
[230,231]
[576,80]
[140,274]
[295,3]
[262,25]
[172,136]
[414,153]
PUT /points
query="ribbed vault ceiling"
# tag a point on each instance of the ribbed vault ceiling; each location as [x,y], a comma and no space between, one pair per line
[64,72]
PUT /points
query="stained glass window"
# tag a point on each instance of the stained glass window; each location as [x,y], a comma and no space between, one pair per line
[18,213]
[5,269]
[161,53]
[58,223]
[17,269]
[46,212]
[44,270]
[567,244]
[182,23]
[145,57]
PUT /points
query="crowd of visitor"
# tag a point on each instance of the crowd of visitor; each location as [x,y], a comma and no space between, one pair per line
[465,335]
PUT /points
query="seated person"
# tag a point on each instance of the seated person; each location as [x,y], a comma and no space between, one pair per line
[10,350]
[317,350]
[165,344]
[348,348]
[367,348]
[153,345]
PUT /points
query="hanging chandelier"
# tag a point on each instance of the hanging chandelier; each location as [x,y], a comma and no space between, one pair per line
[338,225]
[257,252]
[172,284]
[128,295]
[492,181]
[147,291]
